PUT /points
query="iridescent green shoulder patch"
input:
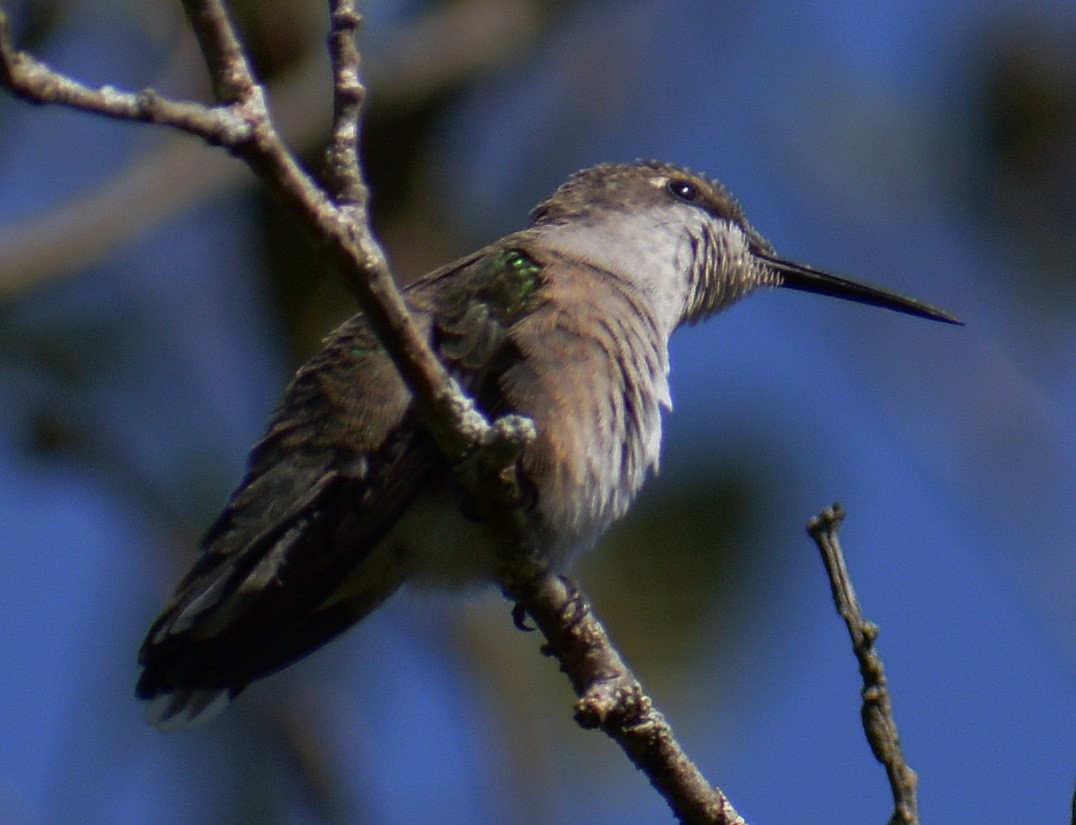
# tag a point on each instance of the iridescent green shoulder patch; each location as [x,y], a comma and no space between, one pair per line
[512,278]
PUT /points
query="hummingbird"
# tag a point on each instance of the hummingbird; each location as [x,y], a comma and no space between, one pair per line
[346,497]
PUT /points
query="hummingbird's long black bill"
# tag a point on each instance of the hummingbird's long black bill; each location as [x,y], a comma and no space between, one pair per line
[808,279]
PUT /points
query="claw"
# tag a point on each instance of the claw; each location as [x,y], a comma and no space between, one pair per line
[519,618]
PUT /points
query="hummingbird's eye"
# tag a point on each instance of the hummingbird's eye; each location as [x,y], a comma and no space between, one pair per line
[685,190]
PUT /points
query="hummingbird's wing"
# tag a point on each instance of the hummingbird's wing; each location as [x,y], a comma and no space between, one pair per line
[293,560]
[341,459]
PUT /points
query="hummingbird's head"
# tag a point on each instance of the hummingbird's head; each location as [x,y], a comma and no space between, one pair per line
[684,241]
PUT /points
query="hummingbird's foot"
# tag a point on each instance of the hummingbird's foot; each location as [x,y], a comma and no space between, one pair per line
[519,618]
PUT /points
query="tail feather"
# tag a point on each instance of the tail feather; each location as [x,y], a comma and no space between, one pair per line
[297,556]
[186,708]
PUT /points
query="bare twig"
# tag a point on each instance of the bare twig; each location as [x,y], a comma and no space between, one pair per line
[342,157]
[485,454]
[229,69]
[611,698]
[34,82]
[878,720]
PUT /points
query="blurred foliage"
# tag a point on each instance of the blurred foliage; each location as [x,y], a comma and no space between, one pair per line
[64,348]
[660,577]
[38,20]
[54,353]
[1025,183]
[277,42]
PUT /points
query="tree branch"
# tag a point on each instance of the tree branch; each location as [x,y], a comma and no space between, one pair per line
[611,698]
[484,454]
[33,81]
[229,69]
[878,721]
[342,157]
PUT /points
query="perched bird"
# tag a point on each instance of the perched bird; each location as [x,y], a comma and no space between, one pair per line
[346,497]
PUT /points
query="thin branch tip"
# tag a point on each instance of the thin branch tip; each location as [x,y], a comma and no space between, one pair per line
[828,521]
[342,166]
[226,59]
[879,723]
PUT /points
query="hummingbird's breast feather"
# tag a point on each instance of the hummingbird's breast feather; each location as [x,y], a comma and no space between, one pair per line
[592,374]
